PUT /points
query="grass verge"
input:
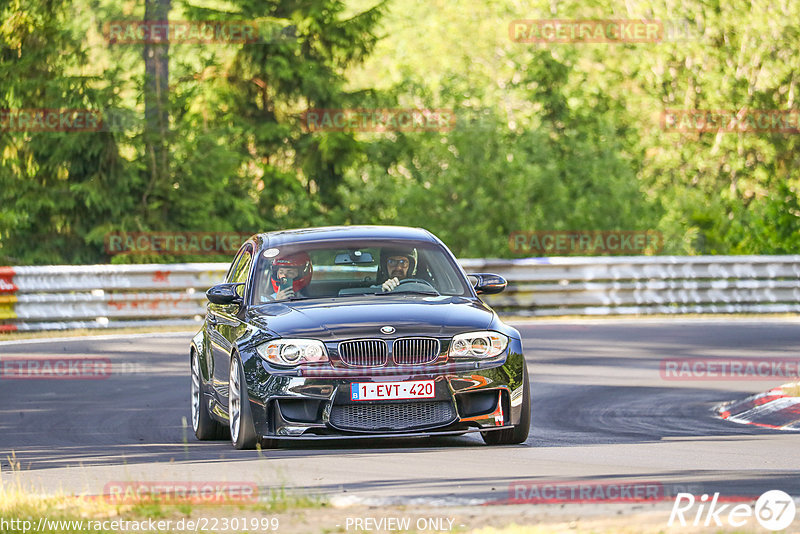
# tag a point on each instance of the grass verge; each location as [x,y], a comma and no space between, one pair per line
[23,512]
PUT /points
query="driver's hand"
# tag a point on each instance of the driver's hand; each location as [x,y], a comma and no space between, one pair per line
[284,294]
[390,284]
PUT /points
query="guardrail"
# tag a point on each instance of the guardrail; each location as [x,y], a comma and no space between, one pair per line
[102,296]
[645,284]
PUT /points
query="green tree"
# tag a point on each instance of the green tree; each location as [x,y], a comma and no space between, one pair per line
[266,88]
[55,187]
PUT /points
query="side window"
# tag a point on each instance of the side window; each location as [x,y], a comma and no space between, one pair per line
[237,261]
[242,268]
[232,268]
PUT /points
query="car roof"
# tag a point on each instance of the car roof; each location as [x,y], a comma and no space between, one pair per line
[338,233]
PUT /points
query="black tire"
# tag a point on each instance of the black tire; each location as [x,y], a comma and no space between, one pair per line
[518,434]
[243,437]
[204,426]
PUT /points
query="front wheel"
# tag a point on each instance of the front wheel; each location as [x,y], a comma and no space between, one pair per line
[519,433]
[205,428]
[240,420]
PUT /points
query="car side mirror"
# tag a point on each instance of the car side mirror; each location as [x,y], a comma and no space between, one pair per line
[224,294]
[487,283]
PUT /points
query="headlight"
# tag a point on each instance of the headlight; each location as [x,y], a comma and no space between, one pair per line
[293,352]
[478,345]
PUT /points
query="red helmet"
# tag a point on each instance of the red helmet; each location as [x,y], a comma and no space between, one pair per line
[301,261]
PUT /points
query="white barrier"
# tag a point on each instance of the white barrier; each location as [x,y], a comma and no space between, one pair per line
[645,284]
[101,296]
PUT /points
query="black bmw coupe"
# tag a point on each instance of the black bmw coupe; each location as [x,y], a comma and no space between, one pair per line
[357,331]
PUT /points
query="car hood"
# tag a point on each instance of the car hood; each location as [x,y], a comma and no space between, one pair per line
[354,317]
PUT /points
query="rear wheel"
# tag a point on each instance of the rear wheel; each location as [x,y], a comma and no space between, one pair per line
[240,420]
[519,433]
[205,428]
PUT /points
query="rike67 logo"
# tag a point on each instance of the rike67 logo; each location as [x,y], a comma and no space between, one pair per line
[774,510]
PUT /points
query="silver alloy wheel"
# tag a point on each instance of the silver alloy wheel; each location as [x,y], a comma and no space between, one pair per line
[234,400]
[195,393]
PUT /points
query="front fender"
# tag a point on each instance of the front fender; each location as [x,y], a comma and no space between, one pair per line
[200,346]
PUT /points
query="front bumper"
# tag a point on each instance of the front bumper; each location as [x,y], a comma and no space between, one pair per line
[305,405]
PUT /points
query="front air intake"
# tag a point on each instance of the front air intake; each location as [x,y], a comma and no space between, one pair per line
[392,416]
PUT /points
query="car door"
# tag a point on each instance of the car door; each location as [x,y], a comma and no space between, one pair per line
[225,326]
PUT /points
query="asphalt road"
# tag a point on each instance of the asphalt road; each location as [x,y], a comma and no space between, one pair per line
[601,412]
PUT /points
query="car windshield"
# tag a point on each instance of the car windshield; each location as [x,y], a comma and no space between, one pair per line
[353,268]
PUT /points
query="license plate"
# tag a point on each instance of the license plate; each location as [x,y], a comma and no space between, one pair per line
[367,391]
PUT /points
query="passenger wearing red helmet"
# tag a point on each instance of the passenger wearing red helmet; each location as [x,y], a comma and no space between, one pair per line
[295,268]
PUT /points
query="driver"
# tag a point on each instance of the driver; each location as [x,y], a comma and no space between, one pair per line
[396,265]
[295,267]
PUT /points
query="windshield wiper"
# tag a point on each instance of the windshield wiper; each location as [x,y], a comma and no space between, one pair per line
[372,292]
[282,301]
[410,292]
[360,294]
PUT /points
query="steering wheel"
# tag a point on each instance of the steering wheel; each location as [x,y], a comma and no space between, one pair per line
[414,280]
